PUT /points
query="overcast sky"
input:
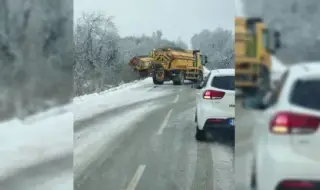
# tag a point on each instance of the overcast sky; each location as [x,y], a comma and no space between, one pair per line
[176,18]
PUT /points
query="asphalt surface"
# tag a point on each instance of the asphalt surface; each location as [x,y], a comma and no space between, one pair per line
[243,144]
[160,152]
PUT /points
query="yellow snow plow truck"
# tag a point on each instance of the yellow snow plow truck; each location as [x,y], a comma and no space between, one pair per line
[177,65]
[254,45]
[141,65]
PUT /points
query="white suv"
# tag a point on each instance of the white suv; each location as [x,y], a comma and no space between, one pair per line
[215,101]
[286,153]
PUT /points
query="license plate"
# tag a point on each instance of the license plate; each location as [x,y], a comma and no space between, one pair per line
[231,121]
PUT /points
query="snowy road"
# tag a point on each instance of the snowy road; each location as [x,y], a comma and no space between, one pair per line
[243,153]
[154,147]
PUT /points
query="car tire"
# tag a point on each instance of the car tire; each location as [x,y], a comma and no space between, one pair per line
[200,135]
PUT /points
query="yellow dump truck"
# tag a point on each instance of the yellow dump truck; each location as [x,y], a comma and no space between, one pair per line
[254,45]
[177,65]
[141,65]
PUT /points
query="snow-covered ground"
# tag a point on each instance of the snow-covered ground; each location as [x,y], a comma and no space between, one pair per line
[36,139]
[25,143]
[206,71]
[91,141]
[63,181]
[87,106]
[277,69]
[50,134]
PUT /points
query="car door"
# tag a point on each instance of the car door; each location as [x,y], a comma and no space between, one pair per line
[199,97]
[271,101]
[202,86]
[305,102]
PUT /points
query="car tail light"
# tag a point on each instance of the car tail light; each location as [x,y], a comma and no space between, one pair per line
[292,123]
[296,184]
[213,95]
[214,120]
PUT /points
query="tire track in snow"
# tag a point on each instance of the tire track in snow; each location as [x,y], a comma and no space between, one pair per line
[223,167]
[98,139]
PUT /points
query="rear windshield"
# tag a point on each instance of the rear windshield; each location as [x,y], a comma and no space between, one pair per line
[223,82]
[306,93]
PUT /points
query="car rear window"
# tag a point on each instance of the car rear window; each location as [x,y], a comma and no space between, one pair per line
[306,94]
[223,82]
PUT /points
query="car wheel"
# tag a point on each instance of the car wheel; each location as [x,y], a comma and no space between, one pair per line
[200,135]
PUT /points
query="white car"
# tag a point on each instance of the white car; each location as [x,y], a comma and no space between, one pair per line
[215,104]
[286,140]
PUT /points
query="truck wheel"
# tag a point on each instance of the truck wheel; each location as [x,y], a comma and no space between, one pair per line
[179,79]
[249,91]
[154,79]
[199,78]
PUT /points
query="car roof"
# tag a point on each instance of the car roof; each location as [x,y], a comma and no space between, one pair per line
[304,68]
[297,72]
[223,71]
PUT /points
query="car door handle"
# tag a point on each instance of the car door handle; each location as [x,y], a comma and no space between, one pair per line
[232,105]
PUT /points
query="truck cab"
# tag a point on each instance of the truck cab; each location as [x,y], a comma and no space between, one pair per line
[254,45]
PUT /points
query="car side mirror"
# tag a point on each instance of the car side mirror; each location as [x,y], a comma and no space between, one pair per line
[277,37]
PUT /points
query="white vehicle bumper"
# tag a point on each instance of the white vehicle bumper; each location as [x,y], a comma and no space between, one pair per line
[281,163]
[206,112]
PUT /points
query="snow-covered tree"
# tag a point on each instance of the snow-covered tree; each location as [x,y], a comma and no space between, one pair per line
[218,45]
[35,56]
[96,52]
[102,56]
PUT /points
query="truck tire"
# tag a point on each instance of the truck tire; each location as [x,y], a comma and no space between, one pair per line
[199,78]
[179,80]
[249,91]
[154,78]
[155,81]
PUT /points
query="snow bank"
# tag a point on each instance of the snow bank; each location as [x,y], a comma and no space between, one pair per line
[133,84]
[25,143]
[277,65]
[90,142]
[64,181]
[206,71]
[277,69]
[87,106]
